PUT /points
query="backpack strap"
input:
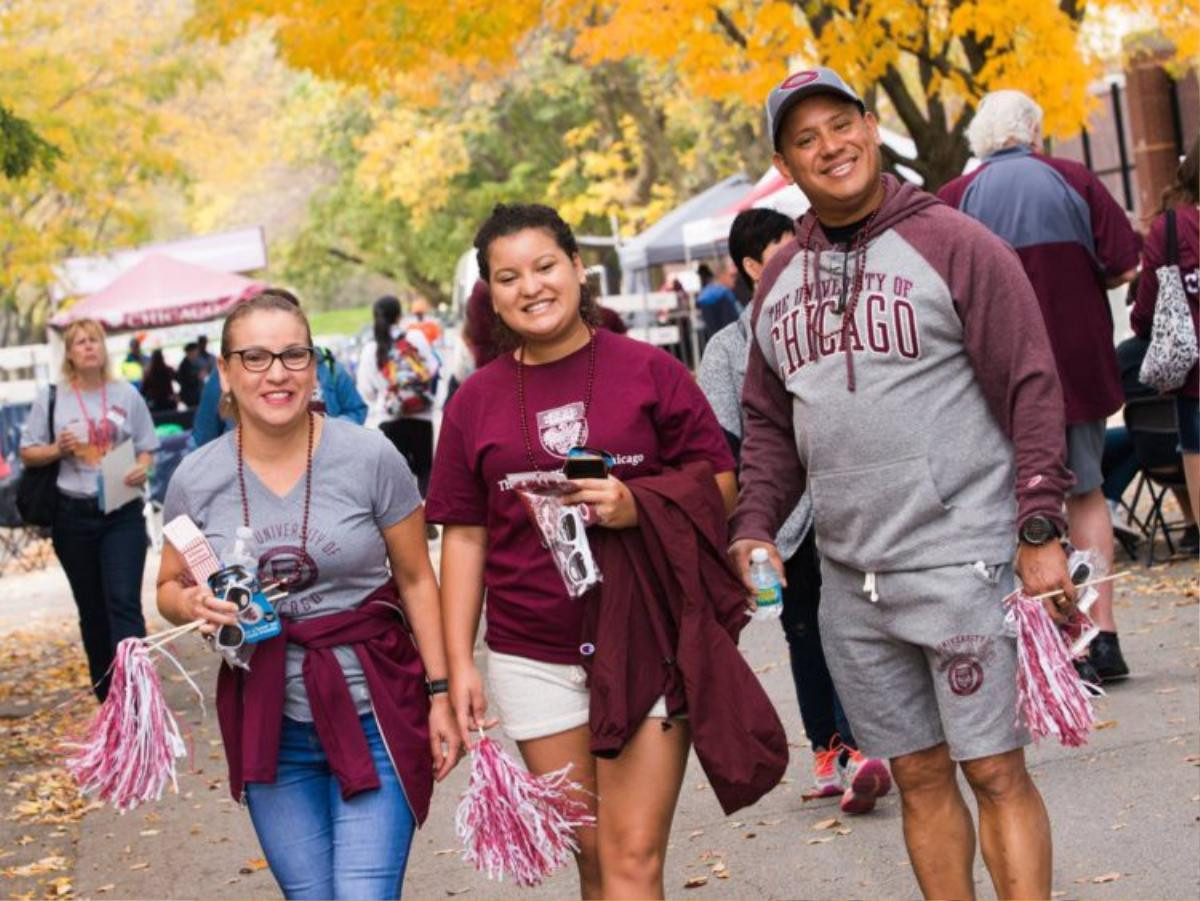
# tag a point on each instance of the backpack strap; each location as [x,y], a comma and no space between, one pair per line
[50,412]
[1172,240]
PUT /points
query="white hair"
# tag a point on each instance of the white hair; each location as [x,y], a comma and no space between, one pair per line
[1004,118]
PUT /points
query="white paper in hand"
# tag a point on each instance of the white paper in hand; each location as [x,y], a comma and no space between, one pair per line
[114,466]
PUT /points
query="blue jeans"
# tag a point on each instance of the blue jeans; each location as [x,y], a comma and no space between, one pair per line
[820,710]
[103,556]
[320,846]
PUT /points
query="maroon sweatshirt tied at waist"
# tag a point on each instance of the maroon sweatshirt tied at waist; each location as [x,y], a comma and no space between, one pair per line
[250,704]
[664,622]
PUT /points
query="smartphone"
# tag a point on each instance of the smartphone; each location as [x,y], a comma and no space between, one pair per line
[586,467]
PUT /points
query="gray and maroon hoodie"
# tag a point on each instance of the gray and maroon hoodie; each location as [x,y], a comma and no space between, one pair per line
[929,422]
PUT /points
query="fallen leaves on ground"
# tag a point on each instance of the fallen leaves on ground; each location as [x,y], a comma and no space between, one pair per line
[60,887]
[831,823]
[1106,877]
[52,864]
[253,866]
[696,882]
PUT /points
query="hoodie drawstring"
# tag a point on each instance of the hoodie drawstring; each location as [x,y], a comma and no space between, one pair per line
[869,587]
[847,343]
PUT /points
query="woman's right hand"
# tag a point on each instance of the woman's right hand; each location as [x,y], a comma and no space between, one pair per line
[68,443]
[469,701]
[200,603]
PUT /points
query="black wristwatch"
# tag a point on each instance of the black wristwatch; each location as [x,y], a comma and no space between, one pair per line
[1037,530]
[437,686]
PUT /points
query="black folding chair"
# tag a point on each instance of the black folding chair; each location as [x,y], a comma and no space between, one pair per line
[17,540]
[1153,425]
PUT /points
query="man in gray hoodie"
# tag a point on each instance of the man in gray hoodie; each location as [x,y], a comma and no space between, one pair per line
[900,370]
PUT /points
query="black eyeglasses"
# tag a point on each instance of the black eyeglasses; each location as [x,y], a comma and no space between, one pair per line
[259,359]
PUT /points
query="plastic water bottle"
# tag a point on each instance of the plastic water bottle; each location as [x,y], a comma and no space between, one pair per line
[245,550]
[767,590]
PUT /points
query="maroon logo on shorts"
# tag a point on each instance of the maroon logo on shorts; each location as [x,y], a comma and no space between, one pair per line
[291,567]
[963,659]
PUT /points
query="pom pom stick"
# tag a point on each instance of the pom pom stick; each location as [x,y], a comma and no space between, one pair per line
[1053,699]
[512,822]
[128,754]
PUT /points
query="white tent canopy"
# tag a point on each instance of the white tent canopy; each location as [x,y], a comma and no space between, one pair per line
[662,242]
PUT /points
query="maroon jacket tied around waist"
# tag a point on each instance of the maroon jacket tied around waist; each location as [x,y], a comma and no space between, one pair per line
[665,621]
[250,704]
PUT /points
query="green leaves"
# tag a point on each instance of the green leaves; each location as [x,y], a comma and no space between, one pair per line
[23,149]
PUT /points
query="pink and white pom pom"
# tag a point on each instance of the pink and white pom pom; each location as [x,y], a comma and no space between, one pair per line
[128,755]
[1053,699]
[514,823]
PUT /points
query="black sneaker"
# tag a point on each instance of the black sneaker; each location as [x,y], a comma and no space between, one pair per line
[1087,672]
[1105,655]
[1189,541]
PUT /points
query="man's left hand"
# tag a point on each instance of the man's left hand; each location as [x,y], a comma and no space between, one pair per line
[610,499]
[1043,568]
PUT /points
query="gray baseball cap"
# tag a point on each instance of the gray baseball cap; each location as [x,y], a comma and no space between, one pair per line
[803,84]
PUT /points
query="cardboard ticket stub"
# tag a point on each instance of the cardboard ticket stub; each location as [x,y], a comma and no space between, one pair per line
[191,544]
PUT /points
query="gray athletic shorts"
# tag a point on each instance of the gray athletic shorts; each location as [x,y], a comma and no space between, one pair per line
[1085,450]
[929,662]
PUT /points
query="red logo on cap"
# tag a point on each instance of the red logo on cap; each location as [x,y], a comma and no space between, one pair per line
[799,79]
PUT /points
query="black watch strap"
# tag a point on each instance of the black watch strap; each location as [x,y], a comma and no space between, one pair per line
[1038,529]
[437,686]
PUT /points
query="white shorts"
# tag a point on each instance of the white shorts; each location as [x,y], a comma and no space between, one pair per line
[535,699]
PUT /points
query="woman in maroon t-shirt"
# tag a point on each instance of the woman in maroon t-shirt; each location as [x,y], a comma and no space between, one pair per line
[561,383]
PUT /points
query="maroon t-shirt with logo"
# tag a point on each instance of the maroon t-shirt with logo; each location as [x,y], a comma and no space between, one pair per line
[646,411]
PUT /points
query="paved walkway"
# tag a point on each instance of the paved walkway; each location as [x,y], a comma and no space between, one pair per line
[1125,809]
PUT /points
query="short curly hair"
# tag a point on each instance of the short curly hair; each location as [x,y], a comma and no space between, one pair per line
[1004,118]
[509,219]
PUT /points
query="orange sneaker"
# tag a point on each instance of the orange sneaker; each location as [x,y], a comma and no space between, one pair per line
[827,776]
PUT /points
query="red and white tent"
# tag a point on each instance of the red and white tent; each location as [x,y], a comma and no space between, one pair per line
[707,237]
[162,291]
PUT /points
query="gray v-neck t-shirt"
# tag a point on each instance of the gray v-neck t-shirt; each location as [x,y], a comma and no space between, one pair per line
[361,485]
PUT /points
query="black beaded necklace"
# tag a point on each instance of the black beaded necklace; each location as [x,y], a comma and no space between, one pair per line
[241,474]
[587,394]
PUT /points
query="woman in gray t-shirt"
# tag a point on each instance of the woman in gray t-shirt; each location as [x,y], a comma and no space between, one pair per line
[336,733]
[102,554]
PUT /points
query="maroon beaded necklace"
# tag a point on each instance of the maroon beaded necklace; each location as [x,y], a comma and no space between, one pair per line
[241,474]
[587,394]
[858,247]
[846,306]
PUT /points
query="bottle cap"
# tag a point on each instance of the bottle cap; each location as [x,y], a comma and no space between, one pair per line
[244,533]
[758,555]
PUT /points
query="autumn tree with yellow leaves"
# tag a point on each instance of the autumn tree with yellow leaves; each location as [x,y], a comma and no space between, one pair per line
[117,127]
[924,63]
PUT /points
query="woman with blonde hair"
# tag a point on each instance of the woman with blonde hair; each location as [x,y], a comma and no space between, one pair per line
[103,554]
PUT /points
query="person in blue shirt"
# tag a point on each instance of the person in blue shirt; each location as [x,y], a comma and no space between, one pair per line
[716,300]
[336,394]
